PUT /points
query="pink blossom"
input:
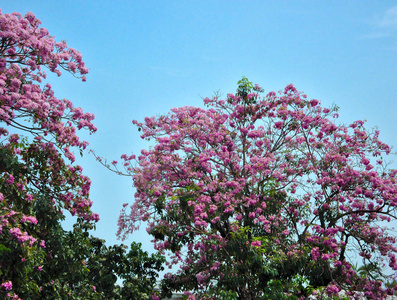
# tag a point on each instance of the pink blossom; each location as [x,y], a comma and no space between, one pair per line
[29,219]
[42,244]
[202,277]
[7,285]
[325,256]
[332,289]
[256,243]
[10,179]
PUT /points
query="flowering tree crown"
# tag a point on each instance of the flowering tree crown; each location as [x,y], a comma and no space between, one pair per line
[254,195]
[35,170]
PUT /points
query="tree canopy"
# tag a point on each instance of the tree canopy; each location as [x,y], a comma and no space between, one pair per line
[37,179]
[39,182]
[264,197]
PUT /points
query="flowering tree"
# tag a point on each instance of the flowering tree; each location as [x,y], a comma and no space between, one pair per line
[35,170]
[263,197]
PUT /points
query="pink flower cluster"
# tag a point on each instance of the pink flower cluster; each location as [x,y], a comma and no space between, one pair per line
[27,49]
[22,237]
[7,285]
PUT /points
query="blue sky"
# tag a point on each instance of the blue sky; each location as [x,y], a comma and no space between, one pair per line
[146,57]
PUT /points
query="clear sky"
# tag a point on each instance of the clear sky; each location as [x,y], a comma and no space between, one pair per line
[146,57]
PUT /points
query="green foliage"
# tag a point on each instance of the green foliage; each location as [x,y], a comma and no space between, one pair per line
[244,87]
[136,268]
